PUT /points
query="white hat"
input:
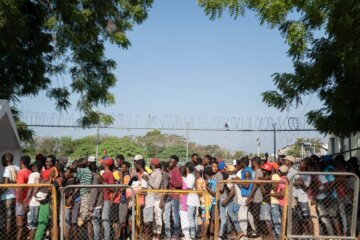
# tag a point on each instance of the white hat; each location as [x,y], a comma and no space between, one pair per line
[199,168]
[138,157]
[91,159]
[290,159]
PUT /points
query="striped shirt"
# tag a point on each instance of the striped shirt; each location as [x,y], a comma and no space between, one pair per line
[84,176]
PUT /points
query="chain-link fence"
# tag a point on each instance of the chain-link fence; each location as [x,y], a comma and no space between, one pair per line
[323,206]
[172,214]
[28,211]
[75,142]
[250,209]
[97,212]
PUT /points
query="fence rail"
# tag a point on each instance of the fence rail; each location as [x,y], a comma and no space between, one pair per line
[49,207]
[283,213]
[101,187]
[172,226]
[330,208]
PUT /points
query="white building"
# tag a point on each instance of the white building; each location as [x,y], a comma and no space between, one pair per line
[9,140]
[348,146]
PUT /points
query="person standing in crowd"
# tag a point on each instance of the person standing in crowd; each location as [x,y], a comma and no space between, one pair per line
[49,164]
[194,158]
[148,210]
[107,178]
[96,201]
[119,160]
[184,217]
[152,201]
[254,200]
[265,210]
[301,184]
[246,190]
[233,203]
[70,205]
[207,161]
[200,185]
[172,207]
[84,175]
[274,200]
[193,202]
[341,191]
[34,204]
[211,188]
[123,207]
[218,177]
[311,190]
[21,195]
[8,197]
[327,198]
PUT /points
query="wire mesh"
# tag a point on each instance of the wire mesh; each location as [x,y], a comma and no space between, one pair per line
[172,214]
[97,212]
[323,205]
[32,215]
[250,209]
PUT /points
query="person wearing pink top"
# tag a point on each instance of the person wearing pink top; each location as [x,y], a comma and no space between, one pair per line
[184,218]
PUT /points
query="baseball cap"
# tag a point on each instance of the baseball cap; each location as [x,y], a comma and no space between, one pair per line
[92,159]
[221,165]
[107,161]
[290,159]
[274,165]
[155,161]
[138,157]
[284,169]
[266,167]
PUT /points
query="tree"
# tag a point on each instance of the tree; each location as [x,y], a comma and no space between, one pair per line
[43,40]
[115,146]
[309,144]
[323,39]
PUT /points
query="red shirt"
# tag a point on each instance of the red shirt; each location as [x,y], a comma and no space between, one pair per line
[45,174]
[175,181]
[23,178]
[107,178]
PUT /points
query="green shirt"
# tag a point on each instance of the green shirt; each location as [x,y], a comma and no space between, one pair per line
[84,176]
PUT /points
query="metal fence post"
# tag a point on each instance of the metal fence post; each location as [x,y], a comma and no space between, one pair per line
[274,127]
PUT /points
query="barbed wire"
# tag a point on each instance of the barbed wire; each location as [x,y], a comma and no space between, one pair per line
[175,121]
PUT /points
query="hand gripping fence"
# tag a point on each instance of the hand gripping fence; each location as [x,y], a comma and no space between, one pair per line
[332,205]
[100,187]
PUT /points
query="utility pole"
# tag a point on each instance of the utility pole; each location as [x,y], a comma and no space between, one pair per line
[258,146]
[187,142]
[274,128]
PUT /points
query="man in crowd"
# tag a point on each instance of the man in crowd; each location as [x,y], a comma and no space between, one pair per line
[173,207]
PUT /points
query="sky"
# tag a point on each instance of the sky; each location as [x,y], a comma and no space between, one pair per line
[182,63]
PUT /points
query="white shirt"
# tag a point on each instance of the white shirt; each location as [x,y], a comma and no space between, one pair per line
[149,198]
[237,198]
[10,193]
[193,198]
[34,178]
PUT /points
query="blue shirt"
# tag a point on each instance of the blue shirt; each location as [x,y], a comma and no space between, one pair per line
[212,184]
[245,192]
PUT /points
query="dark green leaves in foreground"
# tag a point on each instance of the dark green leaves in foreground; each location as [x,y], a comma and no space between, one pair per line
[324,44]
[43,40]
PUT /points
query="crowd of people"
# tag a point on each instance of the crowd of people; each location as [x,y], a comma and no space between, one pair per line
[321,204]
